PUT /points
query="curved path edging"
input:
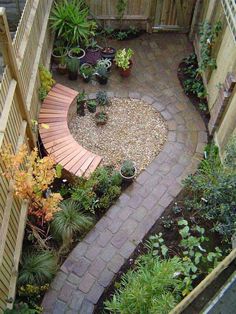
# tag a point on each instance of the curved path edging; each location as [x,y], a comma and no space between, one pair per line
[91,266]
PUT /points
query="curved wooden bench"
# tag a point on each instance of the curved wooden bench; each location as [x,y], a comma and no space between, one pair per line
[57,138]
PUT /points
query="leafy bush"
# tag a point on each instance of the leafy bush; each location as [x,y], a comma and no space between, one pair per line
[32,295]
[194,83]
[212,191]
[123,58]
[69,221]
[193,251]
[85,196]
[21,308]
[69,19]
[154,287]
[32,181]
[37,268]
[46,81]
[99,191]
[230,154]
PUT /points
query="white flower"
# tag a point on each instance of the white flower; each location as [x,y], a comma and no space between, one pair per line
[176,274]
[64,180]
[208,40]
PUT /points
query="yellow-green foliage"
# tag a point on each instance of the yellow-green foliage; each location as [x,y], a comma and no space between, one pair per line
[46,81]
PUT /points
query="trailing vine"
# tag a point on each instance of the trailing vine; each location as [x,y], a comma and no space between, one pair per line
[120,8]
[208,35]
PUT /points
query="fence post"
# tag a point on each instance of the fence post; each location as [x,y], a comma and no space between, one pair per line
[10,60]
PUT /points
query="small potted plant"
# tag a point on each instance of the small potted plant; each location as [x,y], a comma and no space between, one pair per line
[76,53]
[86,71]
[62,68]
[101,118]
[58,53]
[93,52]
[92,105]
[102,99]
[101,74]
[81,101]
[123,61]
[128,170]
[104,62]
[108,53]
[73,67]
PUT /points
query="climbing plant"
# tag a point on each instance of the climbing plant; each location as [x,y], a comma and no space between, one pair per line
[120,8]
[208,35]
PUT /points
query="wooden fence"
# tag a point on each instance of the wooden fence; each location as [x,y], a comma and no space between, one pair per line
[137,13]
[220,83]
[19,104]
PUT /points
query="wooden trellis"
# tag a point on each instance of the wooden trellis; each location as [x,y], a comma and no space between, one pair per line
[19,104]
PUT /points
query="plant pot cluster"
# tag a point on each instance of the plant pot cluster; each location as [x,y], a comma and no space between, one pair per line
[92,62]
[100,102]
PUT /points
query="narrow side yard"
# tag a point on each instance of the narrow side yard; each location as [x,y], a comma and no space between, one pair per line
[93,263]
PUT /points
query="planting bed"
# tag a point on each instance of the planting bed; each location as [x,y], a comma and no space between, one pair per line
[135,130]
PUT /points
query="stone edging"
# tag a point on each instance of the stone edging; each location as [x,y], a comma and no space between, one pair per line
[93,263]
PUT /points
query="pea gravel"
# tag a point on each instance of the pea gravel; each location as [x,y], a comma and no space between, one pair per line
[135,130]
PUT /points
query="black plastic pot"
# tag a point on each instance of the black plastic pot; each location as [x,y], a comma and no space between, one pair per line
[92,109]
[81,109]
[102,80]
[72,76]
[108,55]
[87,79]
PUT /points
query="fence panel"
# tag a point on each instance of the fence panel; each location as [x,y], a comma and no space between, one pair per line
[224,51]
[18,104]
[137,12]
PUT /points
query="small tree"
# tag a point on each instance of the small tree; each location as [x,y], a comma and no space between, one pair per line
[31,177]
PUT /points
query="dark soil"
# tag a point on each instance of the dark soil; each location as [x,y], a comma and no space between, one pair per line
[192,97]
[129,35]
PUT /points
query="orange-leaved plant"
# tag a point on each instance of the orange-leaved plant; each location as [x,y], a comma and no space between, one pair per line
[32,177]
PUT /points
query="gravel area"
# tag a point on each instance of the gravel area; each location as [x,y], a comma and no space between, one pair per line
[135,130]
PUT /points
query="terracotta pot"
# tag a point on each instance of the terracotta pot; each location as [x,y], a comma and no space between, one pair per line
[127,72]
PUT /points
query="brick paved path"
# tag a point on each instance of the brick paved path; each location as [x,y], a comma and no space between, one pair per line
[92,264]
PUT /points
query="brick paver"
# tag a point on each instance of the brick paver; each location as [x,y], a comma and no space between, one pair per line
[95,261]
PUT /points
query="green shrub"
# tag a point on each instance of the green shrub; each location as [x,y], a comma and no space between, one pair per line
[154,287]
[69,19]
[85,197]
[99,191]
[21,308]
[212,192]
[32,295]
[37,268]
[116,178]
[69,221]
[229,159]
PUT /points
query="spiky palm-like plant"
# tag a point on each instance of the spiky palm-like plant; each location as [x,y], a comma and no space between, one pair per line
[37,268]
[69,221]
